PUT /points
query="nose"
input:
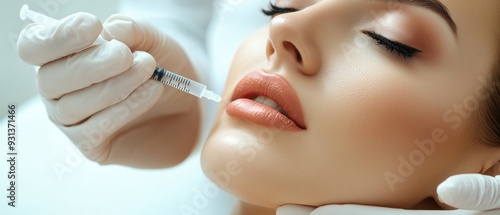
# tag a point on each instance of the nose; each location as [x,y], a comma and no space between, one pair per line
[291,41]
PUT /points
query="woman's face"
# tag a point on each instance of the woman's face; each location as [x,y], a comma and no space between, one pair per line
[375,101]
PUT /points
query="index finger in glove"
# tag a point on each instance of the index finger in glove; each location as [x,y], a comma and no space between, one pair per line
[140,36]
[83,69]
[39,44]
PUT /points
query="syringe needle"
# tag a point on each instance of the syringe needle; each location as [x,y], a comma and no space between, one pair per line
[185,84]
[169,78]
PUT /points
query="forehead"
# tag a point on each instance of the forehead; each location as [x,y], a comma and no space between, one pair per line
[483,14]
[477,22]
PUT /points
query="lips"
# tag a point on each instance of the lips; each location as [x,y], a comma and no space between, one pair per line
[267,99]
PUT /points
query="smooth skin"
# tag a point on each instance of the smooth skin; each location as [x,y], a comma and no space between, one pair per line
[366,109]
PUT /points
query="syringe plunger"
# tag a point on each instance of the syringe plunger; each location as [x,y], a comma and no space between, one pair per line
[164,76]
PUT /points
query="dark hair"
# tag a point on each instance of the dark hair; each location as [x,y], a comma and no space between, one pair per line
[489,115]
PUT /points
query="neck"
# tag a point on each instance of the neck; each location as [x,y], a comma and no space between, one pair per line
[244,208]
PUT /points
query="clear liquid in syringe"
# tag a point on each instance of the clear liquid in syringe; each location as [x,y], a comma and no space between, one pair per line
[187,85]
[169,78]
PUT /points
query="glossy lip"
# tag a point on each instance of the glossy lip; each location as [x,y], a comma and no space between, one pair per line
[274,87]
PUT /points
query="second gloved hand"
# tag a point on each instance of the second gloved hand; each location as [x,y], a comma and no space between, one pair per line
[471,191]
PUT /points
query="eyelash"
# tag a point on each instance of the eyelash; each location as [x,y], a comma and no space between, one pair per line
[393,46]
[398,48]
[274,10]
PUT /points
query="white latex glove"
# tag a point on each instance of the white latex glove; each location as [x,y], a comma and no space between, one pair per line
[96,94]
[474,192]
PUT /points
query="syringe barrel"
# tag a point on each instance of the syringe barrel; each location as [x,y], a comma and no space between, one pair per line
[178,82]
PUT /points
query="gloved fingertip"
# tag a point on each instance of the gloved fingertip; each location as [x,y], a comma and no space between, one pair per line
[84,28]
[119,27]
[24,48]
[294,210]
[470,191]
[39,44]
[446,192]
[144,63]
[118,18]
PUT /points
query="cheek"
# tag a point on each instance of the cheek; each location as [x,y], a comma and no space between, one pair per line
[377,98]
[376,102]
[361,118]
[370,118]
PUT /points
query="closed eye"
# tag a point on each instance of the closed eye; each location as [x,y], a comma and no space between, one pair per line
[393,46]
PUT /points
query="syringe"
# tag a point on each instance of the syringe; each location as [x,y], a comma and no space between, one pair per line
[185,84]
[166,77]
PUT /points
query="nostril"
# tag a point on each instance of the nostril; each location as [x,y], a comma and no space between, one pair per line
[269,49]
[293,50]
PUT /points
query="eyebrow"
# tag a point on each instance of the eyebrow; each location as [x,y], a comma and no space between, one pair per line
[433,5]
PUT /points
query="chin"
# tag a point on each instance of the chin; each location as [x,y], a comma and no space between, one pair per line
[255,172]
[235,168]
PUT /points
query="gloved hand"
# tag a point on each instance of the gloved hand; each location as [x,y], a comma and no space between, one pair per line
[474,192]
[101,96]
